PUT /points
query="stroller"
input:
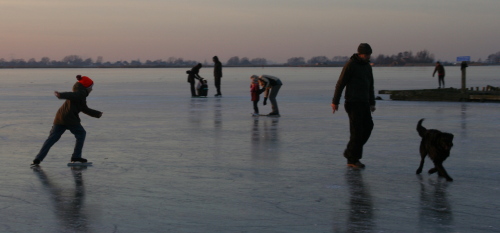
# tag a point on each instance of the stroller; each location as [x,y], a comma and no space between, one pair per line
[202,88]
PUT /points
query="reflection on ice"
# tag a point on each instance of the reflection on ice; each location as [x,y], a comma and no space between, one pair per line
[361,214]
[68,202]
[435,213]
[265,138]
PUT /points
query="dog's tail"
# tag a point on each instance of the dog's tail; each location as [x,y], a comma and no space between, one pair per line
[420,129]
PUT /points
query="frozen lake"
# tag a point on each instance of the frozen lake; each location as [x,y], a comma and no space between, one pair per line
[164,162]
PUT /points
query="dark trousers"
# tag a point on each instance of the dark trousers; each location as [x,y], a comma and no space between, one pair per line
[56,133]
[193,90]
[272,97]
[441,80]
[360,126]
[217,85]
[255,106]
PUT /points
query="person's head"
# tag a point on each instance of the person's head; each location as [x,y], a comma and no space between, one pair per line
[262,82]
[215,59]
[254,78]
[438,63]
[86,82]
[364,51]
[199,65]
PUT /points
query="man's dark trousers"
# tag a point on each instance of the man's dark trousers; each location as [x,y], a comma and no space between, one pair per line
[360,126]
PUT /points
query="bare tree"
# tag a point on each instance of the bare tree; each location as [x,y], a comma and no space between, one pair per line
[296,61]
[233,61]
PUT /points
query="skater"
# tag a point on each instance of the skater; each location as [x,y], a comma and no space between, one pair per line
[67,119]
[440,70]
[192,75]
[357,78]
[255,93]
[217,75]
[202,88]
[271,86]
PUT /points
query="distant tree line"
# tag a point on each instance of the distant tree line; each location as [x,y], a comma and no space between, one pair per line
[245,61]
[316,61]
[404,58]
[75,61]
[494,58]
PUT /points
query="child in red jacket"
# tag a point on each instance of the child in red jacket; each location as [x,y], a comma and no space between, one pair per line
[255,92]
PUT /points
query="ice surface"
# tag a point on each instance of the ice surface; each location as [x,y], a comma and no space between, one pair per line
[163,162]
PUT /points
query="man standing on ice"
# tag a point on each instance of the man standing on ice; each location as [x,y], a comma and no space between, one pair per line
[440,70]
[357,78]
[217,75]
[67,119]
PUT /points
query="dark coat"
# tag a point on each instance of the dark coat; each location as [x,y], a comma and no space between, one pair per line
[270,82]
[218,69]
[75,103]
[439,69]
[357,78]
[255,91]
[193,74]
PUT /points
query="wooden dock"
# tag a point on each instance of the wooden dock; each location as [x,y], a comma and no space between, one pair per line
[488,94]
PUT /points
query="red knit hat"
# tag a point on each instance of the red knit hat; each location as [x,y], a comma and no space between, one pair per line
[85,81]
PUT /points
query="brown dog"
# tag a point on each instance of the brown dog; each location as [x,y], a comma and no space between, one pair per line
[437,145]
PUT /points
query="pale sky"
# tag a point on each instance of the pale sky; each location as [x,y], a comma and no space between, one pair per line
[272,29]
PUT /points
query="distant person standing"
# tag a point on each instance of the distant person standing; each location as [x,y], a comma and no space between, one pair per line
[440,70]
[271,86]
[67,119]
[192,75]
[357,79]
[217,75]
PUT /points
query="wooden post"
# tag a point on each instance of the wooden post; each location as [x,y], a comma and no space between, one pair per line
[463,67]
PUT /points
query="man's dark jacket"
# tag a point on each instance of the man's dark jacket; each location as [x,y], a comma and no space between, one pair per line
[193,74]
[218,69]
[357,78]
[75,103]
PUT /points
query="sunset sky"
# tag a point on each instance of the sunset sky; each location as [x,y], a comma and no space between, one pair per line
[272,29]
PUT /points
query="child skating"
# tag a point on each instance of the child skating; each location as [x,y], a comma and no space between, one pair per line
[67,119]
[255,93]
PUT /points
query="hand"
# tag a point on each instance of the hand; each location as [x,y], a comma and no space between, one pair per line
[372,108]
[56,93]
[265,101]
[335,108]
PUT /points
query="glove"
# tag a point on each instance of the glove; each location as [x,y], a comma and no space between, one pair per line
[265,101]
